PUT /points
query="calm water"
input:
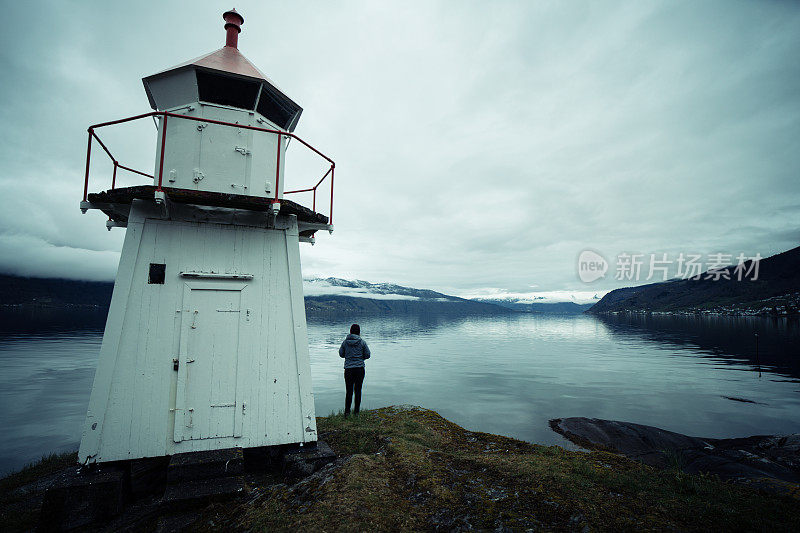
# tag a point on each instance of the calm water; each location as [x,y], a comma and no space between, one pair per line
[506,375]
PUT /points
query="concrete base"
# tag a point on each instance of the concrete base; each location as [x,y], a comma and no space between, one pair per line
[148,477]
[200,478]
[307,460]
[205,465]
[172,487]
[83,496]
[202,492]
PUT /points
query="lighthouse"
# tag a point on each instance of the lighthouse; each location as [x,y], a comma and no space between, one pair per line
[205,345]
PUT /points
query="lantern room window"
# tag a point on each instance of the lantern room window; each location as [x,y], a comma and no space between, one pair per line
[273,111]
[225,90]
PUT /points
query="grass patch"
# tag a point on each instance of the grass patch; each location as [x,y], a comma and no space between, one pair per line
[410,469]
[36,470]
[20,511]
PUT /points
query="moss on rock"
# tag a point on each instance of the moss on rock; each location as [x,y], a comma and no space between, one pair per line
[407,468]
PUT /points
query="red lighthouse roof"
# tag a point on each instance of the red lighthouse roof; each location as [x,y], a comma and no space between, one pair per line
[176,85]
[226,59]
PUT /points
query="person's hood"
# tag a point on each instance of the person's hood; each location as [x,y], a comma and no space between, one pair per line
[352,339]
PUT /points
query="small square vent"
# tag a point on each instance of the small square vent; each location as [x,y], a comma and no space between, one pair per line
[157,273]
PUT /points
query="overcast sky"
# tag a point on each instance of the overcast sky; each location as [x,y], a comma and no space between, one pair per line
[479,146]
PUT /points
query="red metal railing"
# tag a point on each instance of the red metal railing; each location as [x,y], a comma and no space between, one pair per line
[160,179]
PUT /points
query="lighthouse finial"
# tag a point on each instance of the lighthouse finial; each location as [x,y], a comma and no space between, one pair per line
[233,26]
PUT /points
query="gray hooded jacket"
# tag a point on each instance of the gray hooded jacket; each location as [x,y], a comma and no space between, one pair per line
[354,351]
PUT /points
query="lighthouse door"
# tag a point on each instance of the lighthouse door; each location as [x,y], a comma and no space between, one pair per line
[207,405]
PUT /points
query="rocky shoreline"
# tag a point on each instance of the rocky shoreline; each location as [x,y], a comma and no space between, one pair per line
[406,468]
[767,462]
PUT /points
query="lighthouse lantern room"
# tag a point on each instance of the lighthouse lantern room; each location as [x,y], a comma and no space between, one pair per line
[205,345]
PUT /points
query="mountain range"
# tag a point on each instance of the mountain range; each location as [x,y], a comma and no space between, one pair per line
[555,308]
[335,296]
[323,297]
[776,291]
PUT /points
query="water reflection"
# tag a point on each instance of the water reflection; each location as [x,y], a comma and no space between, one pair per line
[506,374]
[728,340]
[511,374]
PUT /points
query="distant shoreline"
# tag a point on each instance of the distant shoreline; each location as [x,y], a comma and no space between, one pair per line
[700,313]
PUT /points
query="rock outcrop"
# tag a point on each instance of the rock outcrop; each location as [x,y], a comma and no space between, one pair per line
[767,462]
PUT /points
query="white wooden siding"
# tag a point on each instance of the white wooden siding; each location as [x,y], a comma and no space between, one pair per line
[138,402]
[204,157]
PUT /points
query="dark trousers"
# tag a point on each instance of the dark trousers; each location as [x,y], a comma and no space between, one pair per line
[353,379]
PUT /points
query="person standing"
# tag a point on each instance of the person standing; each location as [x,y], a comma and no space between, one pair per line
[354,351]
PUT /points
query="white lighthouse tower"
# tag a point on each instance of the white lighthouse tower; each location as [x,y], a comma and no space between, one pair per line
[205,346]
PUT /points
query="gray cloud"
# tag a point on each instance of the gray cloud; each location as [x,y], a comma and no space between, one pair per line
[477,146]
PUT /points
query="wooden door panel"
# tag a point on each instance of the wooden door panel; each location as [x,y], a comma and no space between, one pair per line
[207,382]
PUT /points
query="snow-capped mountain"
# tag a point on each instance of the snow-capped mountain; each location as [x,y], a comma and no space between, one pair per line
[561,302]
[365,289]
[336,296]
[317,290]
